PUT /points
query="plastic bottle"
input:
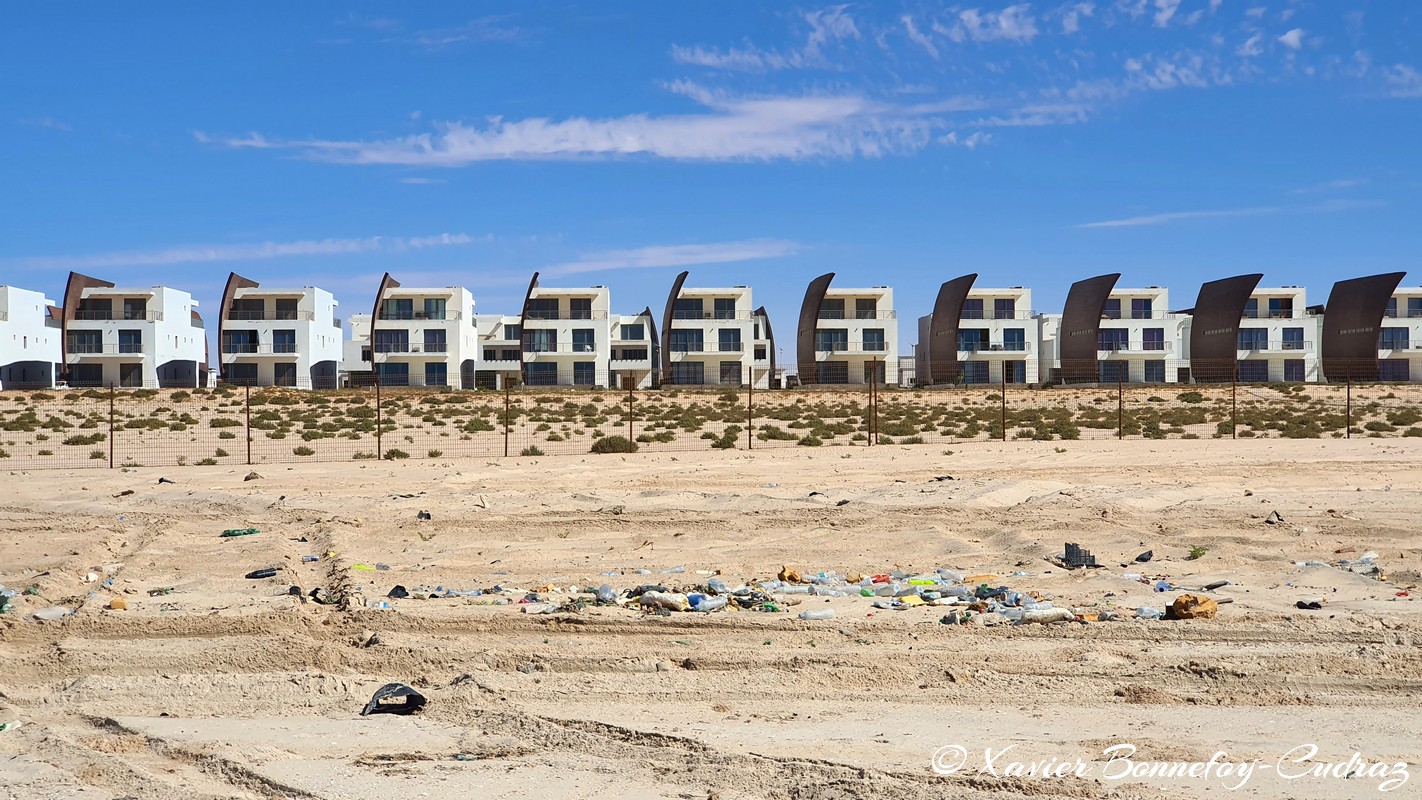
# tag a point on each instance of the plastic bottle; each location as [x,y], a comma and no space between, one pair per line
[706,603]
[675,570]
[886,589]
[1014,614]
[605,593]
[825,591]
[950,576]
[1146,612]
[717,586]
[817,614]
[792,589]
[309,559]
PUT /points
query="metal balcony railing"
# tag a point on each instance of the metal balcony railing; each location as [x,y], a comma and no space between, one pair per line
[416,347]
[1260,345]
[850,347]
[858,315]
[91,349]
[258,316]
[1282,313]
[1130,314]
[713,314]
[994,347]
[542,314]
[423,315]
[116,316]
[538,347]
[1399,344]
[1406,313]
[988,313]
[1135,347]
[242,348]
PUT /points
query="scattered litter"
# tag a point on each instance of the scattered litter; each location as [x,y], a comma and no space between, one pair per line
[52,613]
[394,698]
[309,559]
[423,515]
[1146,612]
[817,614]
[235,532]
[1046,615]
[252,476]
[1144,557]
[162,481]
[366,567]
[1190,606]
[258,574]
[399,592]
[1210,587]
[9,726]
[841,503]
[118,604]
[1075,557]
[124,493]
[943,477]
[1310,605]
[160,592]
[789,574]
[1274,518]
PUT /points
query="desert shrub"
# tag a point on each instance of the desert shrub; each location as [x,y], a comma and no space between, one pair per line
[363,455]
[1404,417]
[810,441]
[1378,426]
[206,462]
[1190,397]
[530,451]
[434,453]
[303,450]
[224,422]
[614,444]
[226,435]
[220,453]
[394,453]
[1412,433]
[85,439]
[98,455]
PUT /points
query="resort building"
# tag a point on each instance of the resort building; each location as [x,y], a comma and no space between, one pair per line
[1400,337]
[131,337]
[1137,340]
[1279,337]
[998,337]
[29,340]
[847,336]
[715,336]
[567,336]
[418,337]
[278,337]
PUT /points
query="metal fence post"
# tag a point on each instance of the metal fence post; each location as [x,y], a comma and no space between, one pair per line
[1003,415]
[1348,413]
[873,406]
[630,406]
[379,421]
[248,405]
[1121,399]
[506,416]
[111,426]
[750,410]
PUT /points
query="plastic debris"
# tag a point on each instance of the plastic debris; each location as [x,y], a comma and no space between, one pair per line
[1144,557]
[52,613]
[118,604]
[1076,557]
[817,614]
[234,532]
[394,698]
[258,574]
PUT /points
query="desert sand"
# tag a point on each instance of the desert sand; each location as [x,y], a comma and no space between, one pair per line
[231,688]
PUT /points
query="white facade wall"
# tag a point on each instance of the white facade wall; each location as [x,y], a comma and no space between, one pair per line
[998,332]
[552,357]
[1276,328]
[29,339]
[630,356]
[500,351]
[843,332]
[171,345]
[407,347]
[1400,340]
[318,338]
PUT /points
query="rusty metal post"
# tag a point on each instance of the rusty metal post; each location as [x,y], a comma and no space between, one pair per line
[248,406]
[750,409]
[630,405]
[111,425]
[1348,413]
[1234,404]
[1003,415]
[506,416]
[1121,401]
[379,424]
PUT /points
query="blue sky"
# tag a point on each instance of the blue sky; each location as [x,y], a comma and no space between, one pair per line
[906,143]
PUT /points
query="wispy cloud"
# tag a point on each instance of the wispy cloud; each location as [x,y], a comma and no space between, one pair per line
[824,27]
[47,122]
[1293,39]
[1165,9]
[917,37]
[1178,216]
[369,23]
[730,129]
[483,29]
[260,251]
[423,181]
[1403,81]
[1014,24]
[1071,19]
[683,255]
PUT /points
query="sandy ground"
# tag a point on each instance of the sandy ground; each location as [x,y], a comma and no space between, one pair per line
[227,687]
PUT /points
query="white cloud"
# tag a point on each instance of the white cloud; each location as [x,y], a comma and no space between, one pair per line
[917,37]
[1215,5]
[1013,24]
[970,141]
[1071,21]
[1403,81]
[1165,9]
[483,29]
[826,26]
[731,129]
[1133,7]
[683,255]
[261,251]
[47,122]
[1256,12]
[1293,39]
[1177,216]
[1251,47]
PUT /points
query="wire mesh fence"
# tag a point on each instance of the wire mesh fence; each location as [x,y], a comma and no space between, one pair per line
[235,425]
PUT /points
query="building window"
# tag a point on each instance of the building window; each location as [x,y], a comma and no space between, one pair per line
[392,341]
[435,341]
[1390,310]
[246,309]
[1141,308]
[874,372]
[634,333]
[1112,309]
[1294,370]
[760,353]
[397,308]
[687,308]
[1004,308]
[543,373]
[1251,308]
[971,340]
[284,375]
[135,308]
[866,308]
[686,341]
[284,341]
[725,307]
[86,342]
[1293,339]
[874,340]
[631,354]
[1153,339]
[584,340]
[580,308]
[1392,339]
[435,309]
[130,341]
[542,341]
[1154,372]
[729,340]
[286,309]
[731,372]
[1253,339]
[1254,371]
[975,372]
[241,374]
[1281,307]
[1414,307]
[1113,371]
[397,374]
[832,308]
[972,308]
[832,372]
[832,340]
[1016,371]
[1113,339]
[1393,370]
[513,333]
[688,373]
[1014,339]
[543,308]
[584,373]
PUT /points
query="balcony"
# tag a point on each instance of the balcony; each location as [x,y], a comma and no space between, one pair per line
[729,315]
[126,315]
[994,347]
[1260,346]
[259,316]
[553,314]
[244,349]
[995,314]
[858,315]
[579,348]
[91,349]
[1128,314]
[336,322]
[1410,313]
[1135,347]
[435,348]
[1399,344]
[423,315]
[851,347]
